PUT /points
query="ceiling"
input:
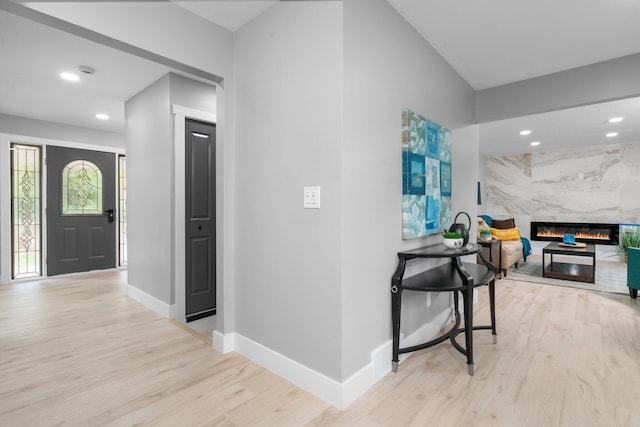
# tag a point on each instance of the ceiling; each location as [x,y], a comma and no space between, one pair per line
[33,55]
[488,43]
[493,42]
[565,129]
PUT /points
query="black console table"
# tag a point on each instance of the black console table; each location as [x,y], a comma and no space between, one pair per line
[455,276]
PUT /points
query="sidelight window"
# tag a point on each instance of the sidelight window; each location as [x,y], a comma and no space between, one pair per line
[81,188]
[122,208]
[26,216]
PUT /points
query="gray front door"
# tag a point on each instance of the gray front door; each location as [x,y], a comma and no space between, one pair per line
[200,214]
[81,201]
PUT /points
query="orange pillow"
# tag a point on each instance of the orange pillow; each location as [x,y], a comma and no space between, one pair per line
[508,234]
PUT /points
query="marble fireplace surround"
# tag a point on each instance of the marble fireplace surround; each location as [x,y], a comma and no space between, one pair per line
[589,185]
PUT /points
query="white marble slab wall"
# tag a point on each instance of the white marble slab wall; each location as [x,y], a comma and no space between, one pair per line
[630,184]
[509,187]
[577,186]
[596,184]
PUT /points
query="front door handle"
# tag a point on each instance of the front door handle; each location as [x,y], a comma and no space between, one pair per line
[109,213]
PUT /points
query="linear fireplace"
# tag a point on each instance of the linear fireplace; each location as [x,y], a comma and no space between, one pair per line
[600,234]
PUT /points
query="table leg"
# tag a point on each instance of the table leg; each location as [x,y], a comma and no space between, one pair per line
[492,308]
[500,258]
[396,305]
[467,296]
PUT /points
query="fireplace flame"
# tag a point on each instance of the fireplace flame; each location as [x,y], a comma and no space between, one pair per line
[579,235]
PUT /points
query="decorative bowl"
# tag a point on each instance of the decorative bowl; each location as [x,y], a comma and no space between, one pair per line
[453,243]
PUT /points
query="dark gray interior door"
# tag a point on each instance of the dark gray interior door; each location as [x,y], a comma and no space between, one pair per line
[81,201]
[200,214]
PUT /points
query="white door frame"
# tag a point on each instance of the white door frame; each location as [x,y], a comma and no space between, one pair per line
[181,113]
[5,193]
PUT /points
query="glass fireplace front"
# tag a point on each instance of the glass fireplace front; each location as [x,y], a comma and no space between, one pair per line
[600,234]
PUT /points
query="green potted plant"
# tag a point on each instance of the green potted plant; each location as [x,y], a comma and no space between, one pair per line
[485,235]
[630,239]
[452,240]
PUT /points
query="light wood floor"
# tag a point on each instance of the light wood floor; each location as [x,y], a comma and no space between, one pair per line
[78,352]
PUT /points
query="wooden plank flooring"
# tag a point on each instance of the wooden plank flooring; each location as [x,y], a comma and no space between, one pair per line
[75,351]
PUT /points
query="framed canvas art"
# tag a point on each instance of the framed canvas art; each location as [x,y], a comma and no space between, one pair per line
[426,176]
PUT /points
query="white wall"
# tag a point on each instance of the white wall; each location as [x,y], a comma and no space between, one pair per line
[388,67]
[195,42]
[289,135]
[42,129]
[465,155]
[149,184]
[482,177]
[318,287]
[190,93]
[591,84]
[159,27]
[319,91]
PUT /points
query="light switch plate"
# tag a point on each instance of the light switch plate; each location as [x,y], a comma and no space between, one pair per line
[312,197]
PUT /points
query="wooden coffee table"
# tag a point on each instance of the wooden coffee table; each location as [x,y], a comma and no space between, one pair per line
[569,270]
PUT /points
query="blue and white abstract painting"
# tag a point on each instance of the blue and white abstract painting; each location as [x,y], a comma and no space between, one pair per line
[426,176]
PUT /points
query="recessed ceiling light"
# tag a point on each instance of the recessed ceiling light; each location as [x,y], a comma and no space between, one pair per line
[535,143]
[525,132]
[616,119]
[102,116]
[70,76]
[612,134]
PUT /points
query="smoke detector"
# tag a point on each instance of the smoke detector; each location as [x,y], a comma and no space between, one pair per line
[86,70]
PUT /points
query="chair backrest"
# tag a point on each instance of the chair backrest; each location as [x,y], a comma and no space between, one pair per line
[633,268]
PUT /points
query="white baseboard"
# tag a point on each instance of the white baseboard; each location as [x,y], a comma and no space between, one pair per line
[223,343]
[314,382]
[339,395]
[149,301]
